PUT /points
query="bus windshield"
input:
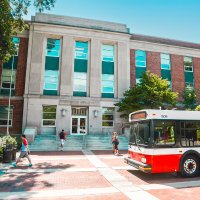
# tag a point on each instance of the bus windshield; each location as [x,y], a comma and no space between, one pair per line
[140,133]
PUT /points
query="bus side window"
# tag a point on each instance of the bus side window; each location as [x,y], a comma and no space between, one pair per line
[156,135]
[198,137]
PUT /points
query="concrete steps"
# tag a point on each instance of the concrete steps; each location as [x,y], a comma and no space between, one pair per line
[45,142]
[76,142]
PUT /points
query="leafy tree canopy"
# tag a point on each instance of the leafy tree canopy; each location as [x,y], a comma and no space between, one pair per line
[151,93]
[189,99]
[197,108]
[11,22]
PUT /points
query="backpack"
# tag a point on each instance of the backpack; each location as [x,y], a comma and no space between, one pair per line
[62,135]
[116,141]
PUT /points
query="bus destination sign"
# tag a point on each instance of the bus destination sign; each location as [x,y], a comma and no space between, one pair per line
[139,115]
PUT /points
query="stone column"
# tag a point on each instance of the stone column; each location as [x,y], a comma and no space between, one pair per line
[95,68]
[123,69]
[94,123]
[37,63]
[67,66]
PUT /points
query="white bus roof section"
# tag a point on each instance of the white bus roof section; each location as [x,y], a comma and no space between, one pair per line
[167,114]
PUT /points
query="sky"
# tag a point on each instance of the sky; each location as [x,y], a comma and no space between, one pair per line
[173,19]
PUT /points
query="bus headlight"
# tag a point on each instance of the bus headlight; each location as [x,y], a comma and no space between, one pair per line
[143,160]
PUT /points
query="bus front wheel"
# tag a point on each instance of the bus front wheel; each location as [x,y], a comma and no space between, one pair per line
[190,166]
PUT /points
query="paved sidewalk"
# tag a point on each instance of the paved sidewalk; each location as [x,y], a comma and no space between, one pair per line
[88,175]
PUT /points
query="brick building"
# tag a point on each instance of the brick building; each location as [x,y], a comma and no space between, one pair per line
[69,72]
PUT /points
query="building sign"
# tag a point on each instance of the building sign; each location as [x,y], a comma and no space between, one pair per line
[79,111]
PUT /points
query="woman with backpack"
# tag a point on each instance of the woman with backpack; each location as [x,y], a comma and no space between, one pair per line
[115,141]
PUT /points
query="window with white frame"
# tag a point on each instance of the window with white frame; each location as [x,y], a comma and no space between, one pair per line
[8,78]
[140,58]
[49,116]
[188,66]
[107,117]
[189,85]
[80,82]
[4,110]
[107,83]
[165,61]
[9,70]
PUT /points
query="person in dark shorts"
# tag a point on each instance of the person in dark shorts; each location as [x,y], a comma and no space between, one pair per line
[24,151]
[62,135]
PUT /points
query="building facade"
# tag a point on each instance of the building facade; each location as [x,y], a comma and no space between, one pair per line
[70,72]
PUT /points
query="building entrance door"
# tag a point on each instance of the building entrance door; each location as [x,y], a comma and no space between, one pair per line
[79,121]
[79,125]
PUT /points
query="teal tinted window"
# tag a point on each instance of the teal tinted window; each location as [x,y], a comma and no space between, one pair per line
[53,47]
[166,74]
[107,67]
[140,58]
[188,66]
[51,77]
[81,50]
[165,61]
[140,71]
[80,69]
[52,63]
[108,53]
[107,83]
[189,77]
[80,65]
[16,41]
[80,81]
[51,80]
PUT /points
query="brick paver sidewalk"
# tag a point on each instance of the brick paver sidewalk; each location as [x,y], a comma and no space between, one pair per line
[90,175]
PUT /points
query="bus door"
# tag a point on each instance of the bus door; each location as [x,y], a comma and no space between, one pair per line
[140,140]
[164,158]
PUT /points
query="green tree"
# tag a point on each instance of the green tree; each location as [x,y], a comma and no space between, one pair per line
[151,93]
[197,108]
[12,22]
[189,99]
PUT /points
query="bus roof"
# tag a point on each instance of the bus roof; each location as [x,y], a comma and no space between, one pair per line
[164,114]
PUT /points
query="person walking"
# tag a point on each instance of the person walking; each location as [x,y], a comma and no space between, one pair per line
[113,141]
[62,135]
[116,143]
[24,152]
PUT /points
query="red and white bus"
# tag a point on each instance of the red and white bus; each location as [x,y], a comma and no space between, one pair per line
[165,141]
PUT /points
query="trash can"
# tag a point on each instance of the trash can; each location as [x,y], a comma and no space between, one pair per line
[14,151]
[7,155]
[1,158]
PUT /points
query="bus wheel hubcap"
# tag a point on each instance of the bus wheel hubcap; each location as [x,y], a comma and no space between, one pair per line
[190,166]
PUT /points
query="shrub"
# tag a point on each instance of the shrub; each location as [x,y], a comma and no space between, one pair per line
[9,141]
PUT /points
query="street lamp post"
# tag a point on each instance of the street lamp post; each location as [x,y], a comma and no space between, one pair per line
[9,98]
